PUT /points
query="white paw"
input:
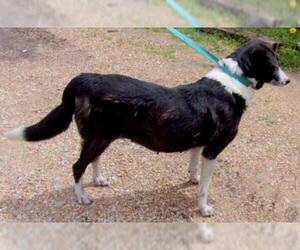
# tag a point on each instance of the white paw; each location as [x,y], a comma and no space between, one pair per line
[84,199]
[207,235]
[101,181]
[195,179]
[206,210]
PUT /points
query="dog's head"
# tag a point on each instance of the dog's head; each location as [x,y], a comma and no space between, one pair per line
[259,62]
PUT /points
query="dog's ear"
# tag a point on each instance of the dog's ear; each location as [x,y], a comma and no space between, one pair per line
[276,46]
[259,85]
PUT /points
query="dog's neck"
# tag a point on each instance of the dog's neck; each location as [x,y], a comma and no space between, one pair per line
[231,84]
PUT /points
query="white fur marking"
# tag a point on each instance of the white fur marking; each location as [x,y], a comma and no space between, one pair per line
[282,77]
[208,167]
[82,197]
[206,233]
[16,134]
[231,85]
[232,65]
[101,181]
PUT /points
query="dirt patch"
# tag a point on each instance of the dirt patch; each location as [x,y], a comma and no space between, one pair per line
[29,13]
[18,43]
[257,179]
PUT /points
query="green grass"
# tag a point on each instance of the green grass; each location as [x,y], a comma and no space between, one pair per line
[219,43]
[217,16]
[222,44]
[157,30]
[289,56]
[211,16]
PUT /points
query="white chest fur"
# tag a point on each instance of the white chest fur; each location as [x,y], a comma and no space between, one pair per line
[231,85]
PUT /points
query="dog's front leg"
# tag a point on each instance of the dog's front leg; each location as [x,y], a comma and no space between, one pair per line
[194,165]
[208,167]
[99,180]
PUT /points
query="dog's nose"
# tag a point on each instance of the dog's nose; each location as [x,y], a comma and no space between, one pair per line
[287,81]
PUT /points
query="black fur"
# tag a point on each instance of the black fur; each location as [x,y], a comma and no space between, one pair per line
[108,107]
[257,60]
[57,121]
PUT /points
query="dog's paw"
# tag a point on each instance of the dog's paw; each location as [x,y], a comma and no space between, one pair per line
[84,199]
[101,181]
[206,211]
[195,179]
[206,234]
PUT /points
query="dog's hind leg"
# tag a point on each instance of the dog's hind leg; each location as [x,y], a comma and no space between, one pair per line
[195,154]
[99,180]
[90,151]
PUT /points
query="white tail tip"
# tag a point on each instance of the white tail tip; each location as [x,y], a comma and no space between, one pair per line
[16,134]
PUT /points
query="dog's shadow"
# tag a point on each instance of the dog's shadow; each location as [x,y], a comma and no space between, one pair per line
[169,204]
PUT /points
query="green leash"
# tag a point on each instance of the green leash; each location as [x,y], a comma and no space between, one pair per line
[211,57]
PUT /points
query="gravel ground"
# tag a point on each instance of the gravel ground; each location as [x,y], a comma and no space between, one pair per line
[147,236]
[258,177]
[83,13]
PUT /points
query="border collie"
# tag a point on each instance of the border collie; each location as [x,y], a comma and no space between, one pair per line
[202,116]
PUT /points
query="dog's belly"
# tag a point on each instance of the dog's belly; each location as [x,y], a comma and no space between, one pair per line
[168,142]
[164,147]
[169,135]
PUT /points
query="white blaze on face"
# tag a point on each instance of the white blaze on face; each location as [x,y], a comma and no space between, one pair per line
[282,77]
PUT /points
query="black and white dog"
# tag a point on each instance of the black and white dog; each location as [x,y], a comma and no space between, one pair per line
[202,117]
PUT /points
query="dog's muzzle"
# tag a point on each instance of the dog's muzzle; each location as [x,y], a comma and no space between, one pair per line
[280,78]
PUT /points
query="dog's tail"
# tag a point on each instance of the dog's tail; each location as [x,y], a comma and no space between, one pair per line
[57,121]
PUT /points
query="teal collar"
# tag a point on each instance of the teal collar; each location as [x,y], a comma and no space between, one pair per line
[211,57]
[242,79]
